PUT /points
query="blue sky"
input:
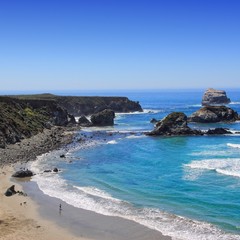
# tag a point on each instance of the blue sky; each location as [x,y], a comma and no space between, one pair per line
[119,44]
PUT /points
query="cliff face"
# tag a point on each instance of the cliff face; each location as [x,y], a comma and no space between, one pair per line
[20,119]
[78,106]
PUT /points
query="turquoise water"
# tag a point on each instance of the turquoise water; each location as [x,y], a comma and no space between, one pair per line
[186,187]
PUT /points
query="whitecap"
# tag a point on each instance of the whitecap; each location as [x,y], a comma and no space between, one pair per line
[228,166]
[135,136]
[234,103]
[233,145]
[145,111]
[112,142]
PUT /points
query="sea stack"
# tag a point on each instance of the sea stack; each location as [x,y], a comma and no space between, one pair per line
[174,124]
[215,97]
[214,114]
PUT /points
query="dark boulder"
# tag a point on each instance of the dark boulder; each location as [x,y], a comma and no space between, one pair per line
[218,131]
[48,170]
[215,97]
[23,174]
[10,191]
[55,170]
[104,118]
[174,124]
[62,156]
[213,114]
[84,122]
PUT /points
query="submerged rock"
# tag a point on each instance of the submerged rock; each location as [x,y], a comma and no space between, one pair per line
[174,124]
[215,97]
[213,114]
[153,120]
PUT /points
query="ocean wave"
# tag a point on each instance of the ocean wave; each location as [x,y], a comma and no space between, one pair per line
[233,145]
[99,201]
[145,111]
[93,191]
[195,105]
[112,142]
[234,103]
[136,136]
[229,166]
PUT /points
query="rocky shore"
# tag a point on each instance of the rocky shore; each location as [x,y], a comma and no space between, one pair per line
[29,148]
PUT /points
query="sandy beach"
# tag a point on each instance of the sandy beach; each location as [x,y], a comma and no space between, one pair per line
[37,216]
[19,217]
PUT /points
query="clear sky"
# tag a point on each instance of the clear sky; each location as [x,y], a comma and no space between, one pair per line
[119,44]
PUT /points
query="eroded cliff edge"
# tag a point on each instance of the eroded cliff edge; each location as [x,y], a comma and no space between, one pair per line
[23,116]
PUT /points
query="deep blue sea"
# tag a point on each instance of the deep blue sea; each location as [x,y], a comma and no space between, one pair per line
[185,187]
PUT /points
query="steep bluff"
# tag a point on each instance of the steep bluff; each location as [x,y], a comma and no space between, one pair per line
[20,119]
[78,106]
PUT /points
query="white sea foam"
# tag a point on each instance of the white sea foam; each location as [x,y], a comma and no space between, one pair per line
[234,103]
[97,200]
[233,145]
[112,142]
[228,166]
[93,191]
[145,111]
[196,105]
[135,136]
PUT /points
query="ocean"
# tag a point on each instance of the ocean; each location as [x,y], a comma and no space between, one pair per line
[187,187]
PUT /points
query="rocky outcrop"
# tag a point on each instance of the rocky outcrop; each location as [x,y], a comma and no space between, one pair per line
[23,174]
[174,124]
[218,131]
[213,114]
[103,118]
[84,122]
[215,97]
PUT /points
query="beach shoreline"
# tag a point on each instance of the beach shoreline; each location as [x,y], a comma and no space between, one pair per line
[40,217]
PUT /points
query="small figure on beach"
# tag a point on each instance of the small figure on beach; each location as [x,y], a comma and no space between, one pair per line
[60,207]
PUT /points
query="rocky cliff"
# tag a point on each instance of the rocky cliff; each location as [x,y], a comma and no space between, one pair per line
[213,114]
[19,119]
[215,97]
[78,106]
[26,115]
